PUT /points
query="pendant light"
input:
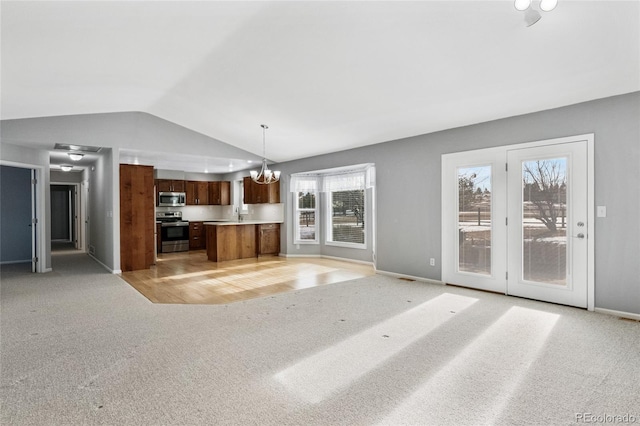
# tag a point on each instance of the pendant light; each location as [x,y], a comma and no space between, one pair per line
[265,176]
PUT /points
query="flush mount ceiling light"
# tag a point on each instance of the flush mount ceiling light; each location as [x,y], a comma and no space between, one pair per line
[531,15]
[75,156]
[66,168]
[548,5]
[265,175]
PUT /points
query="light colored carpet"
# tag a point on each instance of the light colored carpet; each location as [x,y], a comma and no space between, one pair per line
[80,346]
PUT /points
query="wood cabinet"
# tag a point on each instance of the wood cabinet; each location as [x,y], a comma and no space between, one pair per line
[229,242]
[255,193]
[268,239]
[197,193]
[137,219]
[170,185]
[220,193]
[197,236]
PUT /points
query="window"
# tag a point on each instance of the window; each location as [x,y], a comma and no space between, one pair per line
[305,193]
[343,206]
[347,215]
[346,208]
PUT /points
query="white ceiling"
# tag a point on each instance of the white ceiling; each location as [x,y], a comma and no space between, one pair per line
[325,76]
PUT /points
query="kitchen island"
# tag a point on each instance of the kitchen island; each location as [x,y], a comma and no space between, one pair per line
[241,240]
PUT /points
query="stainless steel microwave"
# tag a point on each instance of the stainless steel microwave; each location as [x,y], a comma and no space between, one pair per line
[172,199]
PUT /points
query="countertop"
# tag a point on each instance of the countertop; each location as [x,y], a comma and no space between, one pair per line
[244,222]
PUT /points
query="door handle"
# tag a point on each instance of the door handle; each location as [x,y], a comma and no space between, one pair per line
[580,235]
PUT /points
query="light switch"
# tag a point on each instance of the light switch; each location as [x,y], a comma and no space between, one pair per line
[602,211]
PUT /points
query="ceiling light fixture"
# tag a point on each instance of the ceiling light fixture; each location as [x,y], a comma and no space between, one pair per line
[66,168]
[265,176]
[531,14]
[548,5]
[522,4]
[75,156]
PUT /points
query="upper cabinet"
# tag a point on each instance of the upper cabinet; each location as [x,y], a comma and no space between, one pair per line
[255,193]
[198,193]
[170,185]
[220,193]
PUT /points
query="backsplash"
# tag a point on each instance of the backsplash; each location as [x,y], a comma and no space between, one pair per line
[274,212]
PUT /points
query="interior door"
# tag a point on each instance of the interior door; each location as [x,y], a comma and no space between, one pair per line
[547,223]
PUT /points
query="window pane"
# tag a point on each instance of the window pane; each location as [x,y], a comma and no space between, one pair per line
[544,212]
[306,200]
[474,219]
[347,216]
[307,225]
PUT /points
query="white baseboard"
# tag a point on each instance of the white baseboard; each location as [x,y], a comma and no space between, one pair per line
[322,256]
[411,277]
[618,313]
[113,271]
[299,255]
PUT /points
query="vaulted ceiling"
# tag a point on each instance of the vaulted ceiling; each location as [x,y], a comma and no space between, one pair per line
[325,76]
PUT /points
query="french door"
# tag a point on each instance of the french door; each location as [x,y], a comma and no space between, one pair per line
[516,220]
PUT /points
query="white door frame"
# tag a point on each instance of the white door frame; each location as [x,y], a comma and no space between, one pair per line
[449,231]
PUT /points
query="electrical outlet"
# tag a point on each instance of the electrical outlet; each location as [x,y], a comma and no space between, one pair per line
[432,262]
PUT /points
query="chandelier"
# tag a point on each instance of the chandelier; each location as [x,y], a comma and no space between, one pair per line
[265,176]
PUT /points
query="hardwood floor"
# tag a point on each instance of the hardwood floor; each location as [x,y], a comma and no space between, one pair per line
[190,278]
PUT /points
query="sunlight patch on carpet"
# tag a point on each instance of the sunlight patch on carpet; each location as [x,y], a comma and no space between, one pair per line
[482,378]
[322,374]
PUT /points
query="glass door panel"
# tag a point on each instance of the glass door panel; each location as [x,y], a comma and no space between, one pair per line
[474,220]
[544,224]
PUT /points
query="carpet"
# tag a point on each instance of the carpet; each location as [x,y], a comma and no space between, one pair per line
[80,346]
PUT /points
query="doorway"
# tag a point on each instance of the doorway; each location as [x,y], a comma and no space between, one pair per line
[517,220]
[66,212]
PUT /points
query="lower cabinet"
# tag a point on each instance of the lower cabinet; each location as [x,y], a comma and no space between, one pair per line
[237,241]
[197,236]
[229,242]
[268,237]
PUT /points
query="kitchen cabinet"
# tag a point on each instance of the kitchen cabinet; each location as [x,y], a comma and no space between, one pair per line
[255,193]
[268,239]
[220,193]
[197,193]
[137,245]
[170,185]
[229,242]
[197,236]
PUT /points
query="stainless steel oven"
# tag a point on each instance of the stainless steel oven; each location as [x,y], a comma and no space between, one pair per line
[174,232]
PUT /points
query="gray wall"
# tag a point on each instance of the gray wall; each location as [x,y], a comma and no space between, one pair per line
[15,214]
[408,189]
[407,185]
